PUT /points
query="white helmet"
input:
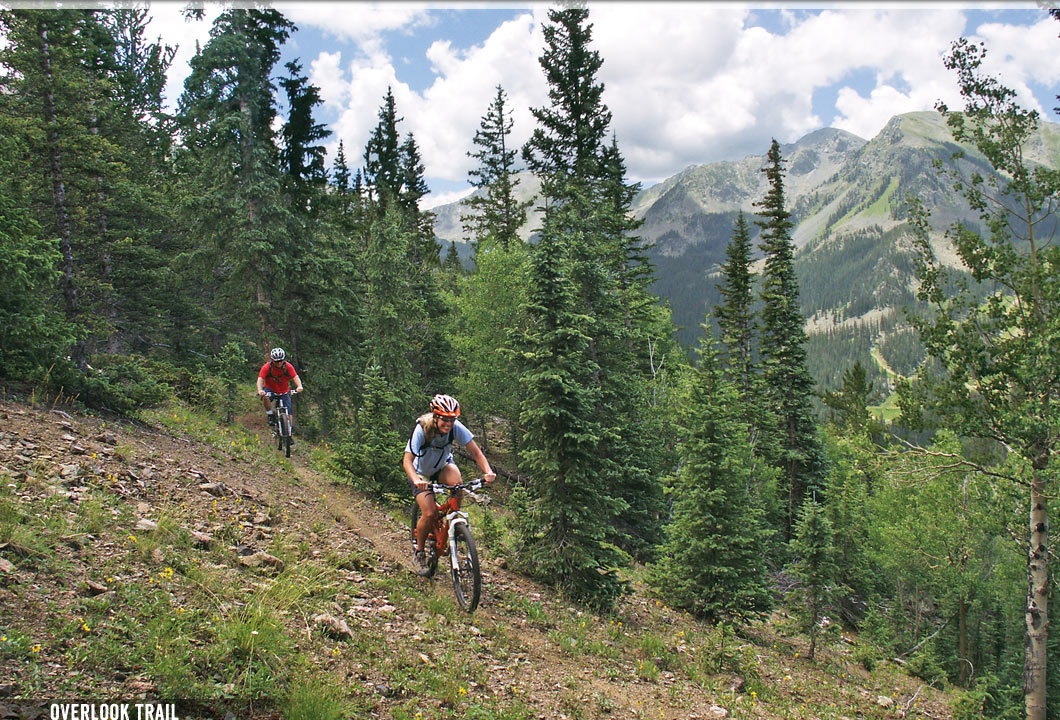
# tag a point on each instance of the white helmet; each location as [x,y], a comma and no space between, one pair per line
[278,354]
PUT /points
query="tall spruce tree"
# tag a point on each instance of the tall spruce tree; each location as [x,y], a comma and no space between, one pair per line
[85,89]
[234,208]
[571,129]
[383,173]
[736,313]
[563,534]
[496,214]
[814,568]
[587,207]
[712,561]
[795,448]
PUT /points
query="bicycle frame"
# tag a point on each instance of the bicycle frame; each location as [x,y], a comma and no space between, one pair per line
[448,517]
[451,533]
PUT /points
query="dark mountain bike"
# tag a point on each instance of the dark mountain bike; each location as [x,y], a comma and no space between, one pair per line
[282,429]
[452,534]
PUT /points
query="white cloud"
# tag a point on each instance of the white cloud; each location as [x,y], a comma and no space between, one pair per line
[435,199]
[167,21]
[686,82]
[357,22]
[444,117]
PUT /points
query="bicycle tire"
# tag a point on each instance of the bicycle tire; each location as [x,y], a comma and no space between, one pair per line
[467,577]
[283,427]
[430,546]
[278,430]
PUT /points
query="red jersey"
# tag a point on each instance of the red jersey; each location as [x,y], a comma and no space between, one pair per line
[277,381]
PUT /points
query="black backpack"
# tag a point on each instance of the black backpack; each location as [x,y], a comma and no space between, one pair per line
[448,440]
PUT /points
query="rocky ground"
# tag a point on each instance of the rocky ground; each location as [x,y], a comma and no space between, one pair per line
[172,557]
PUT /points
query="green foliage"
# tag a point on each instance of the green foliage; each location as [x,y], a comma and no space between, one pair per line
[711,562]
[33,334]
[496,214]
[994,332]
[562,536]
[369,451]
[491,310]
[791,444]
[232,367]
[815,569]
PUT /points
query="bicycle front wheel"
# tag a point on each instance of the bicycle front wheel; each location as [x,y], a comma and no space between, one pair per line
[467,579]
[430,547]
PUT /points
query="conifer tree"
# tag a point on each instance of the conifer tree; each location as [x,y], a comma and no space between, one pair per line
[94,169]
[495,214]
[231,163]
[587,207]
[365,450]
[383,173]
[712,562]
[300,157]
[452,263]
[564,533]
[33,333]
[571,129]
[736,315]
[795,448]
[814,567]
[495,294]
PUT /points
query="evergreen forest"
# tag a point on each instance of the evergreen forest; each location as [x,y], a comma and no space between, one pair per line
[155,257]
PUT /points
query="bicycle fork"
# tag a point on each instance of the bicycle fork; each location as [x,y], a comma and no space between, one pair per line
[455,518]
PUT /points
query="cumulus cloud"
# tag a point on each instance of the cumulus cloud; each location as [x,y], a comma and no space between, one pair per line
[444,116]
[167,22]
[686,82]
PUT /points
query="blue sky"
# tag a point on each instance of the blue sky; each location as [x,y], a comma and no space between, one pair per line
[687,82]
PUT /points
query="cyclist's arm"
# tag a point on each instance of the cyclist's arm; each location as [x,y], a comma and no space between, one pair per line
[410,470]
[261,385]
[298,384]
[483,464]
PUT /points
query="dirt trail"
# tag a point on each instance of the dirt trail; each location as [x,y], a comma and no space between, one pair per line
[533,645]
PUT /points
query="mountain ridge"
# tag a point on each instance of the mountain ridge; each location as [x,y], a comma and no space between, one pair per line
[848,200]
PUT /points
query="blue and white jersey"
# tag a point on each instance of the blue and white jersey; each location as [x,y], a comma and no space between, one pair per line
[435,455]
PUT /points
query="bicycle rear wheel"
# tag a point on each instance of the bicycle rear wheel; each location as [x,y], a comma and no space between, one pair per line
[467,579]
[430,546]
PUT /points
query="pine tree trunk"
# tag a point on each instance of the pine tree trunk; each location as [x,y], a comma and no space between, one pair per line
[110,303]
[1037,617]
[71,301]
[962,642]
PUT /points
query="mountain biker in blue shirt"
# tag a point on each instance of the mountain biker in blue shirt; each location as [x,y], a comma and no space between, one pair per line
[429,459]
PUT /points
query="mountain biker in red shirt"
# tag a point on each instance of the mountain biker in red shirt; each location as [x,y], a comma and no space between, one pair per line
[276,375]
[429,459]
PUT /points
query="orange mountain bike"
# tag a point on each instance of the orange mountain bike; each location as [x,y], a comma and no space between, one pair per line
[452,534]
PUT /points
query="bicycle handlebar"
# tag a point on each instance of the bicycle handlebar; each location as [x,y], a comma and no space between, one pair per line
[476,484]
[273,393]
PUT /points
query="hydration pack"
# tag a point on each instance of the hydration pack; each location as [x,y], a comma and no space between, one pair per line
[426,445]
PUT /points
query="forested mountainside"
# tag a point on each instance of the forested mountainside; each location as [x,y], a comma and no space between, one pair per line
[848,199]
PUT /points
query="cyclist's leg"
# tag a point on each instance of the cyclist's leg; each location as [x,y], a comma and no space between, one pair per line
[428,512]
[450,475]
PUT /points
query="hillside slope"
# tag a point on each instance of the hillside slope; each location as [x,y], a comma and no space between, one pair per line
[172,558]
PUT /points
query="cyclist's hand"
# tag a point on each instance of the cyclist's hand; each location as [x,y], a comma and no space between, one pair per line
[489,477]
[261,392]
[420,483]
